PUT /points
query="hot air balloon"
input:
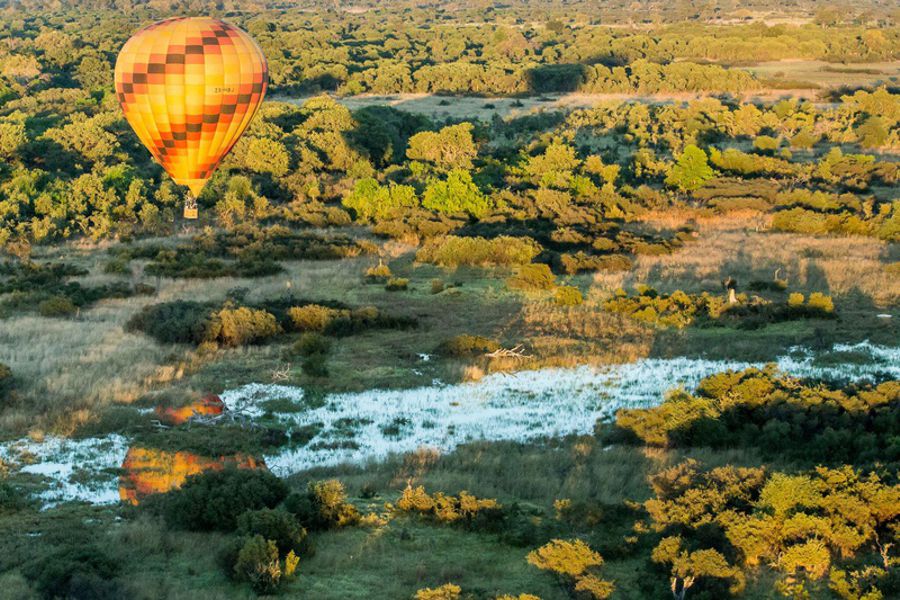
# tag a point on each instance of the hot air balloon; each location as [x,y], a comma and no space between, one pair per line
[189,86]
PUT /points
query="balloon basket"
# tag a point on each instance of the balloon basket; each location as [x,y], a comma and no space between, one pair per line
[190,212]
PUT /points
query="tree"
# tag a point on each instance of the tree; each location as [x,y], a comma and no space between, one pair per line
[94,73]
[58,47]
[87,138]
[265,155]
[688,567]
[12,137]
[573,559]
[691,170]
[554,167]
[450,148]
[371,201]
[873,133]
[456,194]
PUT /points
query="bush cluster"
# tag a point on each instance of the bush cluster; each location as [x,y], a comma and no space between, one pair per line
[465,346]
[214,500]
[276,525]
[57,306]
[245,251]
[464,508]
[568,295]
[454,251]
[771,411]
[314,317]
[46,287]
[532,277]
[176,322]
[76,570]
[680,310]
[241,325]
[335,319]
[580,262]
[396,284]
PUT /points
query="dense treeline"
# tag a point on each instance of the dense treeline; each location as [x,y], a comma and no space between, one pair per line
[75,169]
[310,52]
[72,167]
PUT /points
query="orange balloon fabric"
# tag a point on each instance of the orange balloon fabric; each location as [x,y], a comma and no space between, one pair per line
[189,87]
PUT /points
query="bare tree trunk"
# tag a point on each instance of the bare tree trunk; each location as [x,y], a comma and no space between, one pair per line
[677,593]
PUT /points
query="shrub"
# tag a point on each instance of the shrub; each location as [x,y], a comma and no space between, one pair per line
[323,506]
[796,300]
[578,262]
[6,380]
[215,499]
[453,251]
[602,244]
[380,272]
[57,306]
[572,559]
[448,591]
[117,266]
[312,317]
[437,286]
[466,345]
[12,498]
[82,571]
[180,321]
[566,557]
[258,564]
[315,365]
[568,295]
[765,143]
[532,277]
[820,302]
[276,525]
[143,289]
[239,326]
[396,284]
[310,344]
[804,139]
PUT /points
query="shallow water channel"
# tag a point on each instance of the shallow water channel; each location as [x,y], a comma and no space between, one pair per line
[365,426]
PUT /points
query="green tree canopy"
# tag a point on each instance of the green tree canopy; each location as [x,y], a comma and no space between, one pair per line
[691,170]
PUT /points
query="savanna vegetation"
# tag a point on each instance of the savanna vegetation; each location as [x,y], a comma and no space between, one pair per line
[698,201]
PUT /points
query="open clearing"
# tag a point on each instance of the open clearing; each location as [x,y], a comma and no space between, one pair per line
[820,73]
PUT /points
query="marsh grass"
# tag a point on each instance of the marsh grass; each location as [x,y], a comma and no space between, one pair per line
[69,370]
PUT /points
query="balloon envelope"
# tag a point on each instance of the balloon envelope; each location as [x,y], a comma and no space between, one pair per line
[189,87]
